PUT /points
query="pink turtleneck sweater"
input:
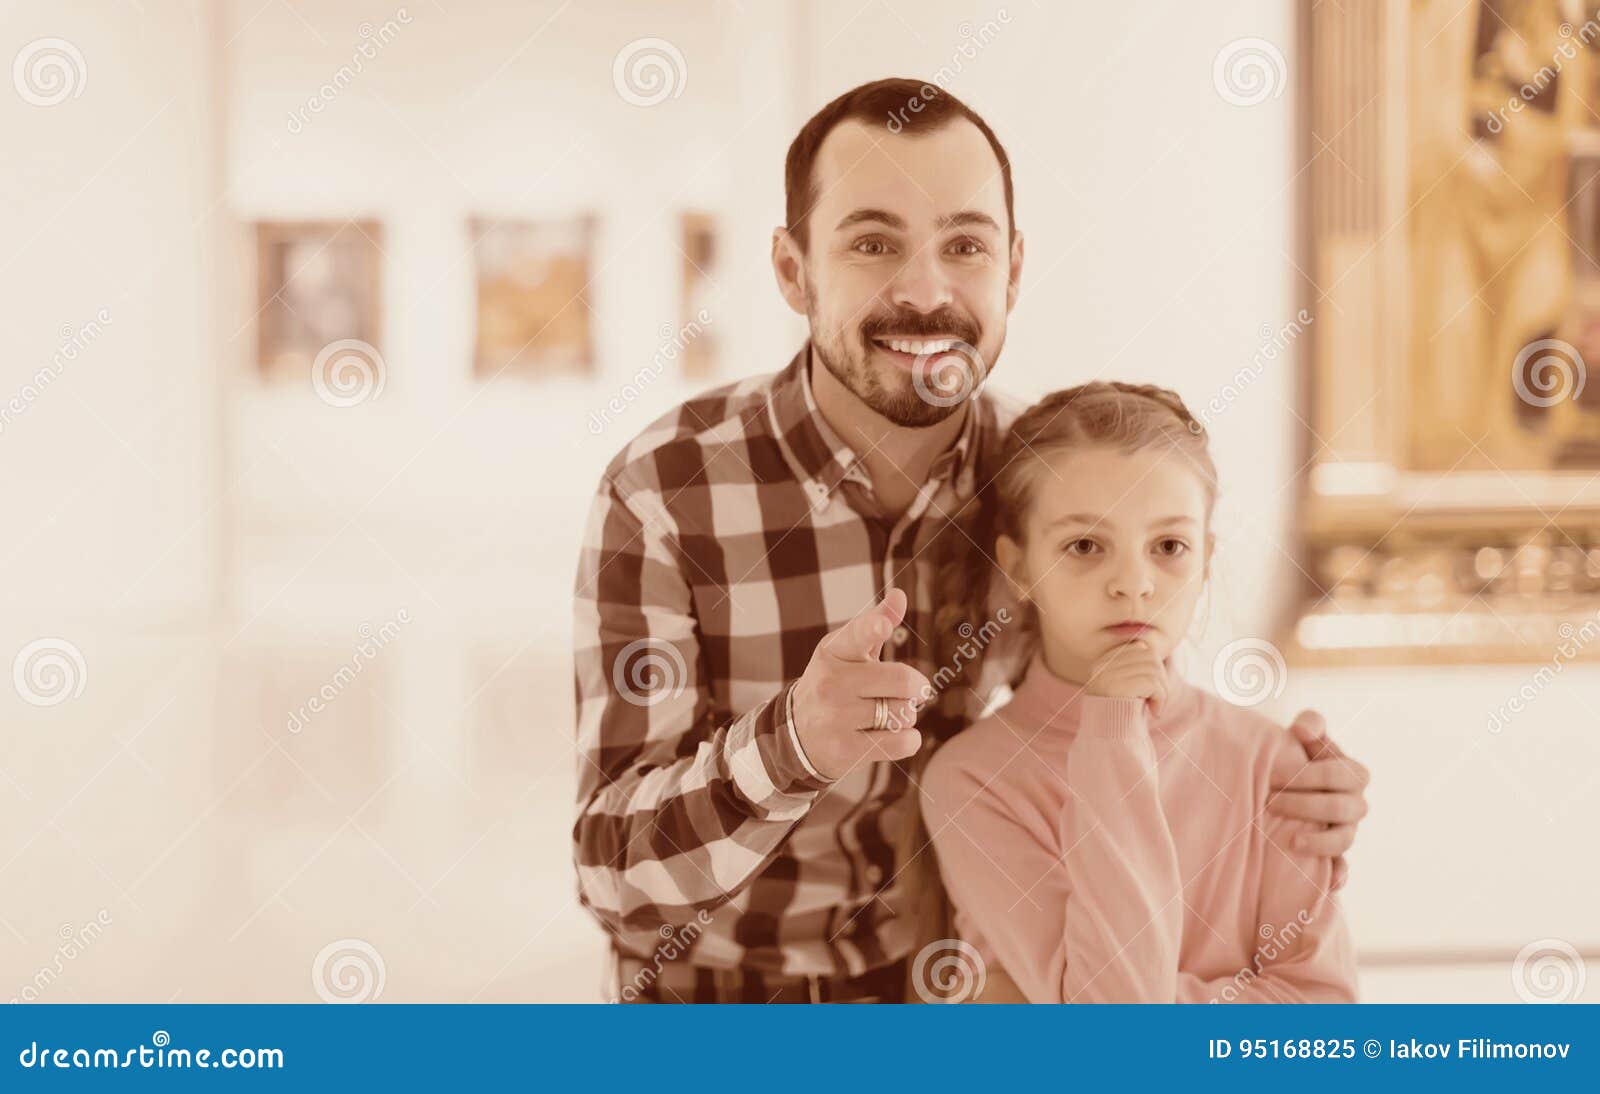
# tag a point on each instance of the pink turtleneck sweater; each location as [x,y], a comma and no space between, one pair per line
[1099,854]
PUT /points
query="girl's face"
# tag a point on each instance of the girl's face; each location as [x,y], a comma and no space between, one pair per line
[1111,538]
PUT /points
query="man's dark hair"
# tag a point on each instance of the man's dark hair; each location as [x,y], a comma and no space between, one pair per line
[900,106]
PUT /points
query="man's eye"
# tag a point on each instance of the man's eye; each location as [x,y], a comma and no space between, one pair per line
[872,246]
[968,246]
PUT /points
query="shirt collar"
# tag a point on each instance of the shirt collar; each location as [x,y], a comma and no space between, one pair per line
[821,459]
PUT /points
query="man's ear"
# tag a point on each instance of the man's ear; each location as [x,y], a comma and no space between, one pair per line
[1014,278]
[789,265]
[1010,558]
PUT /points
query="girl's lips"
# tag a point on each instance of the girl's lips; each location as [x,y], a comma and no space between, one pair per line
[1129,629]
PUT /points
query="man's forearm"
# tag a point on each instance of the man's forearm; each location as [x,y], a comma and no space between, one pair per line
[660,844]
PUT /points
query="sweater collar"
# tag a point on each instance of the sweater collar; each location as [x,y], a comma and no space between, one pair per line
[1049,701]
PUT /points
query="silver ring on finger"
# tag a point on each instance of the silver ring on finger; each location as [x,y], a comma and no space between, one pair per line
[880,713]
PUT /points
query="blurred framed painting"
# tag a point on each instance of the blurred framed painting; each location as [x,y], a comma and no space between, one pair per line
[698,294]
[533,300]
[317,283]
[1452,510]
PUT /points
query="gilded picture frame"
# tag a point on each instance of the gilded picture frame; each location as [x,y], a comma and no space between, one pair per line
[1450,506]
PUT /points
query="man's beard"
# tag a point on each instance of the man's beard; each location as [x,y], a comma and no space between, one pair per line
[899,401]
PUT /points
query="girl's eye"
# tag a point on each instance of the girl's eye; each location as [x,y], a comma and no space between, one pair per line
[1172,548]
[1083,548]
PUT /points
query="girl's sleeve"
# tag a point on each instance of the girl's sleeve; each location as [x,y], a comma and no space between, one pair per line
[1087,906]
[1304,954]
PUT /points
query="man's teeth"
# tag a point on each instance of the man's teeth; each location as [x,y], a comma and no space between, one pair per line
[918,348]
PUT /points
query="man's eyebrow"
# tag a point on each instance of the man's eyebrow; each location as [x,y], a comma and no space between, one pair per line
[965,218]
[863,215]
[969,217]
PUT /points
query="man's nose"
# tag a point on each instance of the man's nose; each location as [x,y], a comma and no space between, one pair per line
[921,283]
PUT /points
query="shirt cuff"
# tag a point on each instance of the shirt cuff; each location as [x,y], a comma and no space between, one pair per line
[1114,718]
[766,764]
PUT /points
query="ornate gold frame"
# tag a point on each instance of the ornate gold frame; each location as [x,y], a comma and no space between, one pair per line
[1401,564]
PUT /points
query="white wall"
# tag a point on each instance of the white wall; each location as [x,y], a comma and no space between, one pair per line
[113,488]
[103,202]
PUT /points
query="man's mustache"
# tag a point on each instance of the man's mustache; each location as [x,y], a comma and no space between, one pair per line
[918,324]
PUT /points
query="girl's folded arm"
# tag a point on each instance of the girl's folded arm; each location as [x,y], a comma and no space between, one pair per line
[1091,912]
[1304,953]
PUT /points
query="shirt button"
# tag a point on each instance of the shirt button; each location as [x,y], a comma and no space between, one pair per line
[874,875]
[901,633]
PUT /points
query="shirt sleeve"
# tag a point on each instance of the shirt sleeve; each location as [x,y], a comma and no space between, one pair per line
[1305,954]
[680,803]
[1087,906]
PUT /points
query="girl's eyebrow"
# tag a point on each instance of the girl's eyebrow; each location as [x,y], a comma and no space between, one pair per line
[1093,519]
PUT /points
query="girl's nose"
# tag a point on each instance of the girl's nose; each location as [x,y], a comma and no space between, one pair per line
[1132,582]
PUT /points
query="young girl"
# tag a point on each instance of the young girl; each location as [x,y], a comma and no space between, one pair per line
[1103,836]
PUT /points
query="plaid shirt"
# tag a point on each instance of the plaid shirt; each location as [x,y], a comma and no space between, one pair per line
[723,543]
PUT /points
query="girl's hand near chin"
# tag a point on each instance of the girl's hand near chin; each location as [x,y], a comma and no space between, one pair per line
[1130,670]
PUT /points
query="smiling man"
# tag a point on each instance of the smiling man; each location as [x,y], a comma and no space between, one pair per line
[754,639]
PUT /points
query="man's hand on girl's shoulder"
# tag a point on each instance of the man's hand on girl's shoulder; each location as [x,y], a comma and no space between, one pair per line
[1318,781]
